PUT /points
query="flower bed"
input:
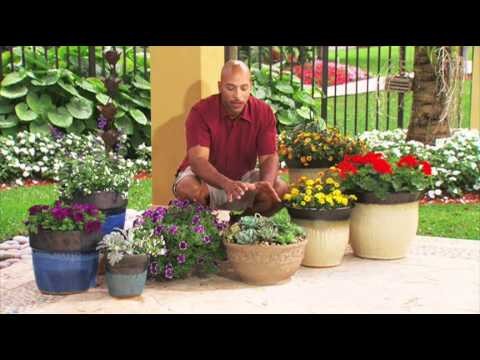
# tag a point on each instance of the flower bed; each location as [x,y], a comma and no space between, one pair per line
[27,156]
[455,161]
[343,74]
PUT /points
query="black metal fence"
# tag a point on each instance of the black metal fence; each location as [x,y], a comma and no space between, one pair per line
[358,91]
[83,60]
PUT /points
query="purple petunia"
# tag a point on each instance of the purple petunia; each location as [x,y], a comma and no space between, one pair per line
[183,245]
[158,230]
[207,239]
[173,229]
[60,213]
[199,229]
[139,221]
[196,219]
[93,226]
[78,217]
[153,268]
[181,259]
[168,272]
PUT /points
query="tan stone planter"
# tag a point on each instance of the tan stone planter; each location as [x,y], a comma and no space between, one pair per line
[384,229]
[327,232]
[265,265]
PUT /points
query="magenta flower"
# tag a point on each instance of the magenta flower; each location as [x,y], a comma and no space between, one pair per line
[34,210]
[207,239]
[60,213]
[93,226]
[168,272]
[173,229]
[78,217]
[183,245]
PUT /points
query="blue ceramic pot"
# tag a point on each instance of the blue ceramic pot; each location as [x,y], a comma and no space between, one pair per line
[113,221]
[61,273]
[127,277]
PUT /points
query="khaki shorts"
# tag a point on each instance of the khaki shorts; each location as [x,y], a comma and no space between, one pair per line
[218,197]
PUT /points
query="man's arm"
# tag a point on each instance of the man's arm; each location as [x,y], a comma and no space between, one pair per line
[268,167]
[198,160]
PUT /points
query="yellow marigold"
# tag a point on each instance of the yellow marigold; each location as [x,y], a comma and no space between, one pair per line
[309,158]
[309,182]
[319,187]
[321,201]
[353,197]
[336,192]
[307,141]
[329,199]
[303,203]
[336,184]
[287,197]
[307,198]
[330,181]
[308,192]
[313,148]
[294,191]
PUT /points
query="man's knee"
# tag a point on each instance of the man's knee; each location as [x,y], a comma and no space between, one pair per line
[191,189]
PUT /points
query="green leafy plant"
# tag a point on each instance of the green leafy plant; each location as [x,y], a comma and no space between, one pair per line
[291,104]
[257,229]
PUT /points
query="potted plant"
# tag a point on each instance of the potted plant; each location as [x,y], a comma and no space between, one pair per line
[63,240]
[384,221]
[101,179]
[192,236]
[127,257]
[323,210]
[265,251]
[311,148]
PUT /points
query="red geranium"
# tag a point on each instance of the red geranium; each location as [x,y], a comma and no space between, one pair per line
[408,161]
[346,167]
[426,168]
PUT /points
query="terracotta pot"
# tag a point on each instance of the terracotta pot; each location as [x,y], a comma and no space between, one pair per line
[327,232]
[265,265]
[384,229]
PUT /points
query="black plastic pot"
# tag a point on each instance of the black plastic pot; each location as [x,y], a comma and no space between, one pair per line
[321,214]
[390,199]
[296,164]
[65,241]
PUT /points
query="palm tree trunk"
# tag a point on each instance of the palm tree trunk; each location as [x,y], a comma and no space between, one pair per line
[425,125]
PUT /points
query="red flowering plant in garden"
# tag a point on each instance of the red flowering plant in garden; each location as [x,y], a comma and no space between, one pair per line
[60,217]
[343,73]
[373,173]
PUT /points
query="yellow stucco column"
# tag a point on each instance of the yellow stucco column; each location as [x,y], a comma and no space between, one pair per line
[475,122]
[180,76]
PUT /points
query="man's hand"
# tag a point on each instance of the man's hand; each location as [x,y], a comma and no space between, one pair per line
[236,189]
[267,189]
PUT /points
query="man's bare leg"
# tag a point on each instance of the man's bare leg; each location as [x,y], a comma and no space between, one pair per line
[190,188]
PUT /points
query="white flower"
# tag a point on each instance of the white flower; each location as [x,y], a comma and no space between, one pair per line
[452,178]
[26,174]
[438,183]
[456,172]
[22,166]
[19,182]
[31,139]
[476,187]
[438,192]
[36,168]
[16,150]
[44,168]
[434,171]
[32,151]
[431,194]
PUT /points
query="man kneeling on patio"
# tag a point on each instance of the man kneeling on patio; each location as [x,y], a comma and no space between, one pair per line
[226,134]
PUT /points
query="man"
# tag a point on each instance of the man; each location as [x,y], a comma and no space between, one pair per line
[226,134]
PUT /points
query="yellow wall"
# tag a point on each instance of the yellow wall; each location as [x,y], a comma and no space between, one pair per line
[475,123]
[180,76]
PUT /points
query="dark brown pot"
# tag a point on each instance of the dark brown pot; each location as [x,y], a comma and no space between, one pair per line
[104,200]
[296,164]
[130,264]
[390,199]
[65,241]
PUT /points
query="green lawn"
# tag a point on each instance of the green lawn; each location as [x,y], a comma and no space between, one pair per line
[456,221]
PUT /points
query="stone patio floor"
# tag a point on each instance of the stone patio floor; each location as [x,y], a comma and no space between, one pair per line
[439,275]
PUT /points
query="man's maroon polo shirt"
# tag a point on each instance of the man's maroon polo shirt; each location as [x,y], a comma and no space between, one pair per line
[234,144]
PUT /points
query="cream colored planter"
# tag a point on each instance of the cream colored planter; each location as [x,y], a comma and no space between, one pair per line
[383,231]
[296,173]
[327,241]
